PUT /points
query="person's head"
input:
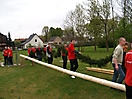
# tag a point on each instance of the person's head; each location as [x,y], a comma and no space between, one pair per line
[73,41]
[8,47]
[125,47]
[5,47]
[122,41]
[65,45]
[49,44]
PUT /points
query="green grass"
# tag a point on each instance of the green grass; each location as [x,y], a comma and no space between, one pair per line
[40,82]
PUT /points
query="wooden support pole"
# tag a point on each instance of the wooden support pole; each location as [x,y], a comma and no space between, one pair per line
[106,71]
[80,75]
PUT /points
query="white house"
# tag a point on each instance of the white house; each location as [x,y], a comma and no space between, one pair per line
[33,40]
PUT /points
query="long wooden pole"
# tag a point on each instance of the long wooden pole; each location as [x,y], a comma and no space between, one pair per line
[80,75]
[106,71]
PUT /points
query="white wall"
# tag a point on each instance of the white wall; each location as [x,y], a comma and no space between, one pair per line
[33,43]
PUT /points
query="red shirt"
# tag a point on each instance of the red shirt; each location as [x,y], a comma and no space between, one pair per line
[33,50]
[71,52]
[29,49]
[44,49]
[5,52]
[10,54]
[128,65]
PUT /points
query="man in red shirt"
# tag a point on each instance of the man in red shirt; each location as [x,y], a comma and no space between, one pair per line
[128,78]
[10,56]
[31,53]
[64,53]
[5,54]
[72,57]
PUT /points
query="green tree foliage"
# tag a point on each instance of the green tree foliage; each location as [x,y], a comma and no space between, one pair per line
[101,43]
[45,33]
[120,30]
[17,44]
[93,19]
[95,30]
[56,32]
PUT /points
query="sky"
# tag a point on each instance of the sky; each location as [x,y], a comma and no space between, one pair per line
[24,17]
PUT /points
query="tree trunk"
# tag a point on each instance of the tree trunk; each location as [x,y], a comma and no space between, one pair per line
[95,45]
[106,38]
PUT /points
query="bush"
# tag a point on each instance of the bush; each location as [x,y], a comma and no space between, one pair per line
[100,62]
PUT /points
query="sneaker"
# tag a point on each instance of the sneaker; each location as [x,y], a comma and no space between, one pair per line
[73,77]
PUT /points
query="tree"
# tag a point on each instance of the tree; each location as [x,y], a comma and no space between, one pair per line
[69,23]
[95,30]
[68,32]
[105,14]
[126,16]
[80,22]
[45,32]
[9,40]
[56,32]
[94,27]
[18,44]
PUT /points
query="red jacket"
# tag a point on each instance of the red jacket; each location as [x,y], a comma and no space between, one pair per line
[71,52]
[128,65]
[10,54]
[29,49]
[44,49]
[5,52]
[33,49]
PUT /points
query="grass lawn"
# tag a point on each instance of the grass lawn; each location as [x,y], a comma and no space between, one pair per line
[40,82]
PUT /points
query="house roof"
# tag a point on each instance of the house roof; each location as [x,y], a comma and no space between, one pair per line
[53,38]
[29,39]
[21,39]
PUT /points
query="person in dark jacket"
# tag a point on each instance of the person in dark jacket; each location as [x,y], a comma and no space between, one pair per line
[64,53]
[49,53]
[72,57]
[125,48]
[39,53]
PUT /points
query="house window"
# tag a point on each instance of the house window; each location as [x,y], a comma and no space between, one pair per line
[35,40]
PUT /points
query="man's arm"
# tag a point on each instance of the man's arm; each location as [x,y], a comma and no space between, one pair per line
[116,63]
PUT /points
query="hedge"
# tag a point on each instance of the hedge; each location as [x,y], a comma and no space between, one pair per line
[99,62]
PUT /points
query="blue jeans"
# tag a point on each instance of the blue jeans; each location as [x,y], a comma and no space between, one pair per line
[118,73]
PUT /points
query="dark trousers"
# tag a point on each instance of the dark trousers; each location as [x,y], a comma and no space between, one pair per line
[64,61]
[10,61]
[128,92]
[74,64]
[5,60]
[39,57]
[118,74]
[50,60]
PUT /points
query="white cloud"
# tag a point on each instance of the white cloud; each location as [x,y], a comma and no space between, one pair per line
[24,17]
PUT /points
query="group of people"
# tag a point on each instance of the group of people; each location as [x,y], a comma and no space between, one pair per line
[122,64]
[38,53]
[8,56]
